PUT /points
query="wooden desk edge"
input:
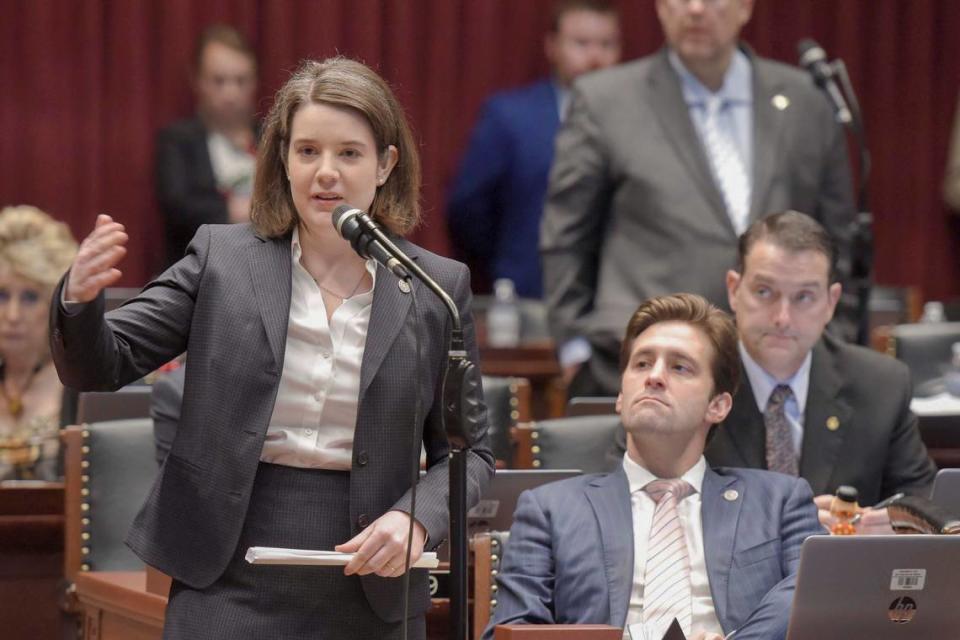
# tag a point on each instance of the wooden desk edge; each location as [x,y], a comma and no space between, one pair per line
[579,631]
[122,592]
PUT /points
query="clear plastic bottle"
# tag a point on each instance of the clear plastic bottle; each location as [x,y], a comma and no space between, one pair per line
[951,378]
[503,316]
[933,312]
[844,510]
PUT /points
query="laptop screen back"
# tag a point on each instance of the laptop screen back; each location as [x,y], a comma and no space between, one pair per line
[495,510]
[946,490]
[879,587]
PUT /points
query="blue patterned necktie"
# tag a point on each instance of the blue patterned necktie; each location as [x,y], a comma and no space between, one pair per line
[728,166]
[780,454]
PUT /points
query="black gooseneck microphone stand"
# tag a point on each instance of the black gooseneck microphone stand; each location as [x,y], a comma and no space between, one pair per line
[861,255]
[861,229]
[460,415]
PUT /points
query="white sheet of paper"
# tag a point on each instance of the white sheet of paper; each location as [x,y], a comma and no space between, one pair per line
[276,555]
[942,404]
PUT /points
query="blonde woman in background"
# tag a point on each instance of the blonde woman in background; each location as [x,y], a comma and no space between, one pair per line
[35,251]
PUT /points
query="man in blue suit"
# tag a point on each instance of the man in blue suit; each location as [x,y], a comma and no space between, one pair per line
[597,549]
[496,200]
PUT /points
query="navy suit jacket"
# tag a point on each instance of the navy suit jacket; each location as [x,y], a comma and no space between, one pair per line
[570,559]
[227,304]
[496,201]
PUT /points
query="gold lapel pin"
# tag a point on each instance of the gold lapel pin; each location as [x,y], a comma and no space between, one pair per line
[833,423]
[730,495]
[780,101]
[404,286]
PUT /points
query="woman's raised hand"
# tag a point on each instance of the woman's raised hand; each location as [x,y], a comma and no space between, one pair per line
[94,268]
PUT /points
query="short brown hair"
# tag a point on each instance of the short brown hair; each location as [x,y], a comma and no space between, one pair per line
[563,7]
[694,310]
[227,36]
[793,231]
[347,84]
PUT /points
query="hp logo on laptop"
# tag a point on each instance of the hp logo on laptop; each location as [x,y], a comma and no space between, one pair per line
[902,610]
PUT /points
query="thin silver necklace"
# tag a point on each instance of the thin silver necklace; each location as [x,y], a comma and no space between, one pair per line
[350,295]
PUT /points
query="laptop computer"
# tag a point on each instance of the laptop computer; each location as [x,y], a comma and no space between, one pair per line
[879,587]
[946,490]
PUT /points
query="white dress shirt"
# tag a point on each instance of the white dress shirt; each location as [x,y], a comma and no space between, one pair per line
[763,384]
[688,510]
[232,167]
[316,408]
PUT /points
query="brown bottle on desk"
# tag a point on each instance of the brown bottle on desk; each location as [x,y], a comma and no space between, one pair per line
[843,508]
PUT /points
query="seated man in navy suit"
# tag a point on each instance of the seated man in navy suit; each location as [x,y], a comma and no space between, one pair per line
[496,200]
[663,537]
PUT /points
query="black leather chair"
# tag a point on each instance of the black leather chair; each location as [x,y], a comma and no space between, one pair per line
[109,469]
[592,406]
[890,306]
[581,442]
[132,401]
[508,404]
[925,348]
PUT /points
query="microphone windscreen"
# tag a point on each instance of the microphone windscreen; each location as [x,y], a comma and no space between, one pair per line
[340,214]
[810,52]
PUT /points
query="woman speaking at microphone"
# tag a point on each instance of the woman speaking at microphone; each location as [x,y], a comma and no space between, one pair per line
[298,407]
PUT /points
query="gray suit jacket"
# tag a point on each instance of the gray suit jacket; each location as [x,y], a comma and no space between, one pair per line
[227,304]
[876,447]
[633,210]
[569,559]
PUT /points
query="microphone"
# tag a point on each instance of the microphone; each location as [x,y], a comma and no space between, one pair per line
[814,59]
[359,229]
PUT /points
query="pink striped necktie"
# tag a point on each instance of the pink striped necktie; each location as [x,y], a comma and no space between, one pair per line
[666,578]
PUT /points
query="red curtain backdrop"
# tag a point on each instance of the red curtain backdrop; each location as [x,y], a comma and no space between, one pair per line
[85,85]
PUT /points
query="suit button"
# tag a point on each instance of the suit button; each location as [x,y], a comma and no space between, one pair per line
[363,521]
[362,458]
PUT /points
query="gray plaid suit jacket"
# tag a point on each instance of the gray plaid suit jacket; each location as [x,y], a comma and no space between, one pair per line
[227,304]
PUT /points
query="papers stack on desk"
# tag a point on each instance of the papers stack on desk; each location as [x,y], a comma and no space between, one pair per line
[276,555]
[941,404]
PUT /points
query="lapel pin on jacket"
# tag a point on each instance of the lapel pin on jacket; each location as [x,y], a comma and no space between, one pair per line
[730,495]
[780,101]
[833,423]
